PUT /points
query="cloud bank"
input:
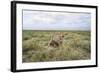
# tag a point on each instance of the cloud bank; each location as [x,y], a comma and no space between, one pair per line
[41,20]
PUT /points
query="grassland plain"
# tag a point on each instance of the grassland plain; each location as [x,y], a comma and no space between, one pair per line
[76,46]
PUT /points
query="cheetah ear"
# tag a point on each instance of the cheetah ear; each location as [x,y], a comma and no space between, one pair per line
[62,33]
[58,33]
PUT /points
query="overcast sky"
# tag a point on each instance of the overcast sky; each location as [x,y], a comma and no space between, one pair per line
[41,20]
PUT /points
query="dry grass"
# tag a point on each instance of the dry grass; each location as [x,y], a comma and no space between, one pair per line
[76,46]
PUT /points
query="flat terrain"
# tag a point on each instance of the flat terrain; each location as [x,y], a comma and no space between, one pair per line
[76,46]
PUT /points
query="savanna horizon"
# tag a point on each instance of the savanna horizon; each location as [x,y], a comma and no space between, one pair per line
[75,46]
